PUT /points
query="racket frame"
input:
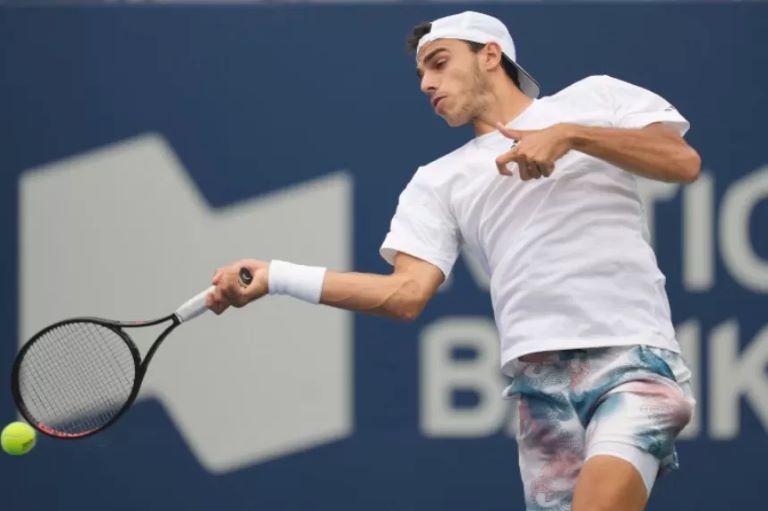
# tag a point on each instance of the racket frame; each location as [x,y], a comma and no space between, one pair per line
[140,367]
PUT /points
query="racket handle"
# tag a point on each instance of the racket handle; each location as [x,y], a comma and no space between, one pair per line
[193,307]
[246,277]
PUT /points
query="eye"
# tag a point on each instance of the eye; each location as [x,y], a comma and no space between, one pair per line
[440,64]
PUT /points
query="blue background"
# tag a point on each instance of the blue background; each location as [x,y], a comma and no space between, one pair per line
[253,98]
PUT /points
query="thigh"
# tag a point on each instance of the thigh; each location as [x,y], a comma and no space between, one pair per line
[550,442]
[647,412]
[630,436]
[609,483]
[631,432]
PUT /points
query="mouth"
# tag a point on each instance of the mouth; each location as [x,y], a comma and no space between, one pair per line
[437,100]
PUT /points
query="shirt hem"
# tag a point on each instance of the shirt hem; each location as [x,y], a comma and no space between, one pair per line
[521,349]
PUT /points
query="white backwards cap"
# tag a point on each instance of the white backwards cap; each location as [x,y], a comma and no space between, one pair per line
[480,28]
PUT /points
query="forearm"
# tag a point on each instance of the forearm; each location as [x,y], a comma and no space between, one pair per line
[648,153]
[401,295]
[395,296]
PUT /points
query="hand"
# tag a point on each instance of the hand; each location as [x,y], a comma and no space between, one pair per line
[536,151]
[231,292]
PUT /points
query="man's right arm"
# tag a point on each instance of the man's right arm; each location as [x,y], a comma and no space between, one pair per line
[400,295]
[422,226]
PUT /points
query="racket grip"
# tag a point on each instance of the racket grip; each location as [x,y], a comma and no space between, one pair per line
[193,307]
[246,277]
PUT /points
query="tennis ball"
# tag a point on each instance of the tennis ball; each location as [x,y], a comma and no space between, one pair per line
[18,438]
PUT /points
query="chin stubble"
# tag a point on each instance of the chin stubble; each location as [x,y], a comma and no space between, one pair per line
[481,88]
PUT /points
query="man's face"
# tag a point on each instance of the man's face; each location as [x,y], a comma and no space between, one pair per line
[452,80]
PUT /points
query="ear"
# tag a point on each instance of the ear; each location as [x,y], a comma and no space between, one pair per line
[492,56]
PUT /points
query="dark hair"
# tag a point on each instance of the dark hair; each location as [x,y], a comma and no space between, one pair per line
[417,33]
[423,28]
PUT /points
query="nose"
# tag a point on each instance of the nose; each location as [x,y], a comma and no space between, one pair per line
[428,84]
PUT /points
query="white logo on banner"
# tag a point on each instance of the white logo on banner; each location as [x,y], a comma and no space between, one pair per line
[122,232]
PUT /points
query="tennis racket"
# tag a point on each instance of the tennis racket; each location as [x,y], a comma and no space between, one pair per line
[76,377]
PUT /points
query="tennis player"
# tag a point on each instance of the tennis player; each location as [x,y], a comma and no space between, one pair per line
[545,196]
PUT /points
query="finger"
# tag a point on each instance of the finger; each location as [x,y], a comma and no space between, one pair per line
[503,161]
[212,303]
[547,169]
[511,133]
[222,304]
[219,297]
[536,170]
[525,167]
[234,294]
[533,167]
[216,276]
[230,288]
[218,309]
[511,169]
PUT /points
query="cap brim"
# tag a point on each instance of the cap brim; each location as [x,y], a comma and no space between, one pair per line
[528,85]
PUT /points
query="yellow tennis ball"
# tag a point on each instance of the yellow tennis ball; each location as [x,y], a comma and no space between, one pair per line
[18,438]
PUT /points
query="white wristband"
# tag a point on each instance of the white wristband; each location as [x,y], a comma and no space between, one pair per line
[296,280]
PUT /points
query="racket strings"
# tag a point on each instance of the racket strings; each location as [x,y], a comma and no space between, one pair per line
[71,385]
[76,377]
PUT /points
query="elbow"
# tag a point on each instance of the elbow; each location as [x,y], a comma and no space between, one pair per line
[408,310]
[690,166]
[407,302]
[408,313]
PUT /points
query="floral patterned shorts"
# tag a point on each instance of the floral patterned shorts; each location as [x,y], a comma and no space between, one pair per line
[572,400]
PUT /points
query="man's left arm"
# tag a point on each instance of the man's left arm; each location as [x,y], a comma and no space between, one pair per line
[654,151]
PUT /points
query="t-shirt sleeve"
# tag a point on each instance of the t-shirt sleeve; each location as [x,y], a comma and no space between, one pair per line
[422,227]
[636,107]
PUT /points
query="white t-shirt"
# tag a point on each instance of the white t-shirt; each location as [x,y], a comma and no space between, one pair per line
[568,256]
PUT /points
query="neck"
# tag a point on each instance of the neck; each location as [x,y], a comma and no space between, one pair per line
[504,104]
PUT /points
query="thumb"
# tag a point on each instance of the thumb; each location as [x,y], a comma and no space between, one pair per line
[510,133]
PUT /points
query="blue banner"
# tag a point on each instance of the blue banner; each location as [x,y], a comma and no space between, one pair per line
[145,146]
